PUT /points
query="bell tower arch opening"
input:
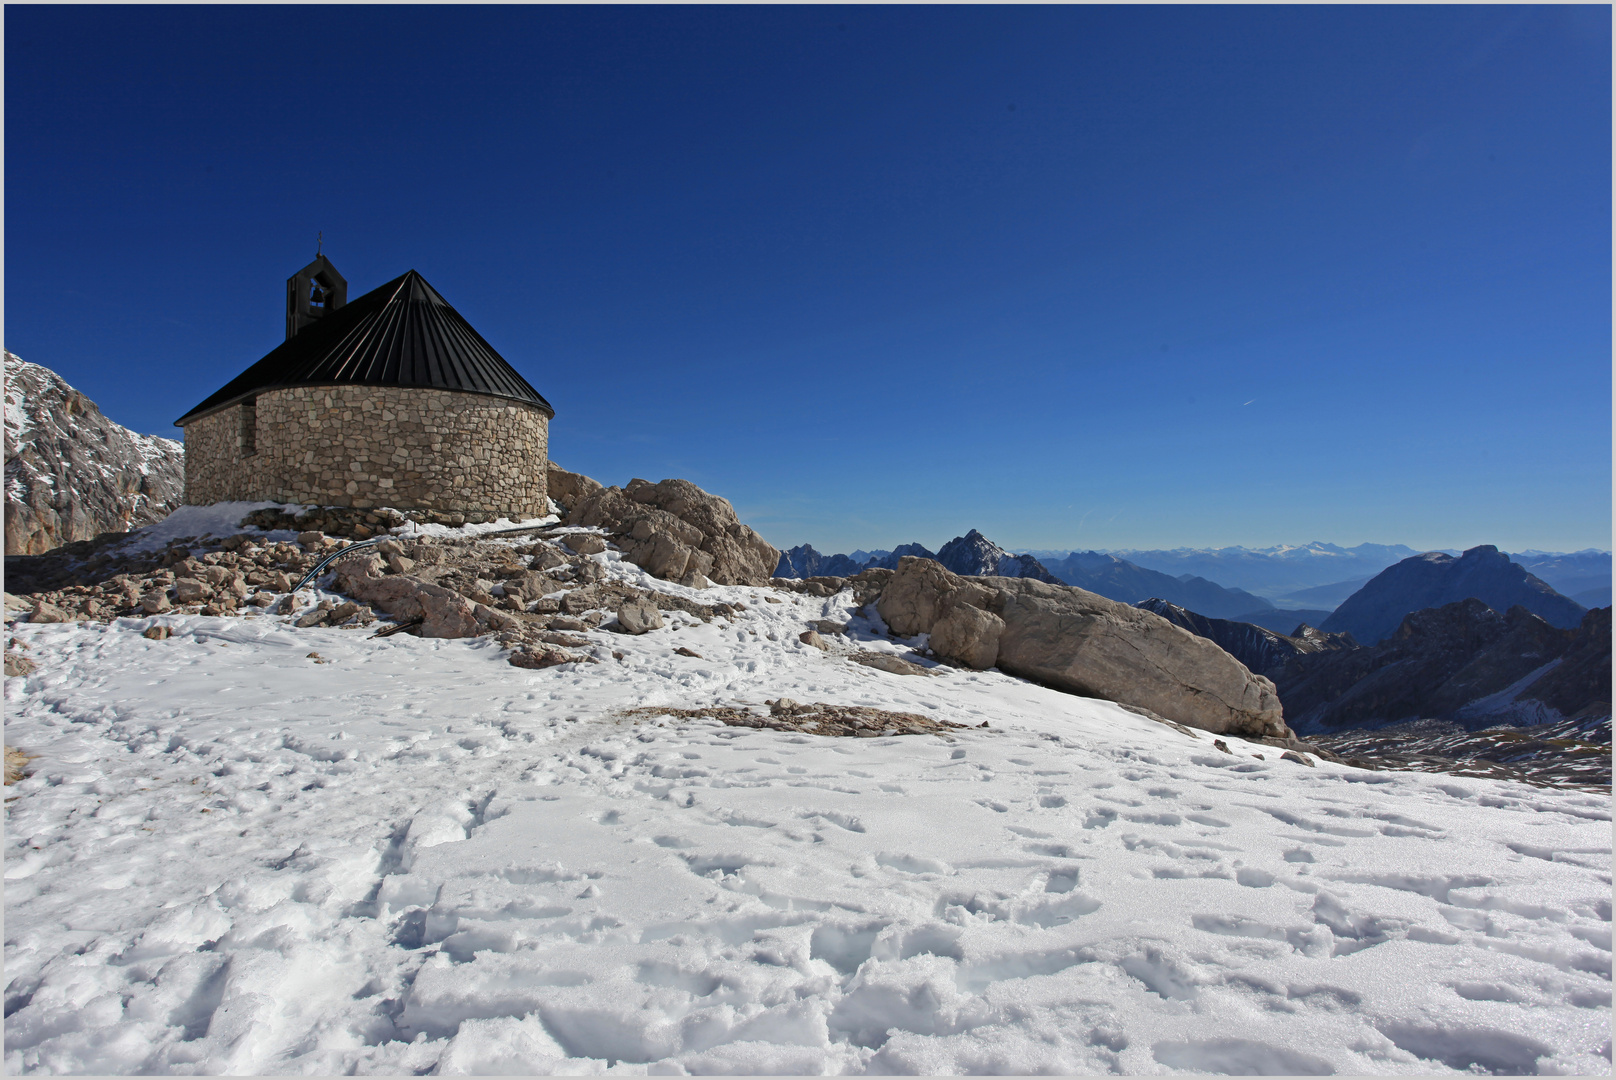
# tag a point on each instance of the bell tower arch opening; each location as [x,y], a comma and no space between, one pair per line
[312,293]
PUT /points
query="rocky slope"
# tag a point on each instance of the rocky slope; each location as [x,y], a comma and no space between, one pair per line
[1119,579]
[1463,662]
[1260,649]
[72,474]
[1434,580]
[974,555]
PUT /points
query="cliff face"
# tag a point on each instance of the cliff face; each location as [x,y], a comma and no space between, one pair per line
[1433,580]
[72,474]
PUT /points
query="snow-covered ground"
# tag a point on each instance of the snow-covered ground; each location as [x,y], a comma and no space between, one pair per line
[412,856]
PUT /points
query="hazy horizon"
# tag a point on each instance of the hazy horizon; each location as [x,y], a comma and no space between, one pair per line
[1057,549]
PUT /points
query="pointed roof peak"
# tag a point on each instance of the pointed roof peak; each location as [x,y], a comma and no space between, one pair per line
[403,333]
[412,287]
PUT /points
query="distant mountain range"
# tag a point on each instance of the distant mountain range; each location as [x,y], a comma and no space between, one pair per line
[1272,572]
[1434,579]
[803,561]
[1113,578]
[1119,579]
[1582,575]
[1320,576]
[1276,603]
[972,554]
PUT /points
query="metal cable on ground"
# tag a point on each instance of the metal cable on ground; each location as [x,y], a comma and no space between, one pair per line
[336,556]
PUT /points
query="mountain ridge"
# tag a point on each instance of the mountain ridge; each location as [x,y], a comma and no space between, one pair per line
[1433,580]
[72,473]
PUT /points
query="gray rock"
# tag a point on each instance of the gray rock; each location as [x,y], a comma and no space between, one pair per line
[190,591]
[1078,641]
[564,622]
[155,602]
[45,613]
[967,635]
[569,488]
[811,637]
[531,586]
[586,571]
[547,557]
[444,613]
[18,665]
[585,543]
[639,617]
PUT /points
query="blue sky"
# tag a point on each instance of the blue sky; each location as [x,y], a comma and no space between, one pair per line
[1074,276]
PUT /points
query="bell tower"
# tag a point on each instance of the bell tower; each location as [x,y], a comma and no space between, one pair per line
[313,293]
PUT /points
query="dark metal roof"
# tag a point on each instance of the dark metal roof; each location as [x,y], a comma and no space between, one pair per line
[402,334]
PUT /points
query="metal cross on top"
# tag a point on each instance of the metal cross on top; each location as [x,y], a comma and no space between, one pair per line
[319,242]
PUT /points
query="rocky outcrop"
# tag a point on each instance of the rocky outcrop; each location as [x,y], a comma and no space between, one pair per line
[1260,649]
[1463,662]
[568,489]
[974,555]
[443,612]
[678,532]
[1077,641]
[72,474]
[1435,580]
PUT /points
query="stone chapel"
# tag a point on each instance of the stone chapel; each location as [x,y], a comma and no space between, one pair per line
[392,400]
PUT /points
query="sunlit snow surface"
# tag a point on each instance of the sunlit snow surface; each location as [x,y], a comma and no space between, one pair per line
[230,858]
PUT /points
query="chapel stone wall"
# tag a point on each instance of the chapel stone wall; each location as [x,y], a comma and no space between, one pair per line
[372,446]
